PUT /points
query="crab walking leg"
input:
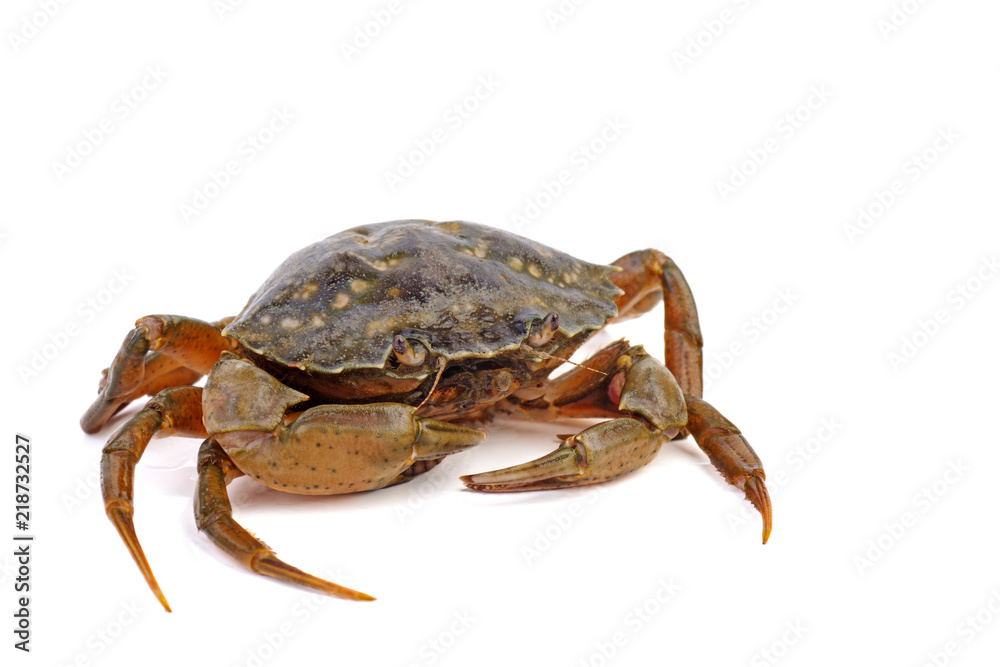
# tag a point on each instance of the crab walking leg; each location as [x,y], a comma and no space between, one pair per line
[161,348]
[172,411]
[214,515]
[731,455]
[640,387]
[161,372]
[646,277]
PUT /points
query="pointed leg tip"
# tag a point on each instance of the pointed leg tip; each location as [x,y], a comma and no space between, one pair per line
[756,493]
[121,519]
[155,587]
[272,566]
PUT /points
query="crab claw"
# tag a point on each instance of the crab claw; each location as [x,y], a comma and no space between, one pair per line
[602,452]
[757,494]
[563,462]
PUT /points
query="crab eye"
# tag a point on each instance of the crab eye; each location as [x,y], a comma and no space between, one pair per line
[543,334]
[408,354]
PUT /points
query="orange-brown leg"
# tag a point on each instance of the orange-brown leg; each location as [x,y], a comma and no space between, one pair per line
[214,515]
[647,277]
[161,351]
[731,455]
[172,411]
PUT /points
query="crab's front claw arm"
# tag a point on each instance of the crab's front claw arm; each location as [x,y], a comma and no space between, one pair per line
[370,428]
[602,452]
[324,450]
[641,387]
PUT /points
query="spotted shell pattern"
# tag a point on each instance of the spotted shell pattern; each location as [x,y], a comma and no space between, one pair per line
[461,289]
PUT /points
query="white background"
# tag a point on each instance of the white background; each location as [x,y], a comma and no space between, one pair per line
[862,567]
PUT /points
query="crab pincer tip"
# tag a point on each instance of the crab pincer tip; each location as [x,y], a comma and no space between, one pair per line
[756,493]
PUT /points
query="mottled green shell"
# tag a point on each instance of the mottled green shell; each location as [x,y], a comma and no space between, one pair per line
[464,290]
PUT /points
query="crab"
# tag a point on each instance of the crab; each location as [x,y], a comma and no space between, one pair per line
[368,357]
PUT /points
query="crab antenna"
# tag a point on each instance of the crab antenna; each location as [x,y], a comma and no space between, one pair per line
[441,363]
[552,356]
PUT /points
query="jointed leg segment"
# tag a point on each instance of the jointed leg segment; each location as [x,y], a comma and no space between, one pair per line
[731,455]
[160,352]
[176,410]
[647,277]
